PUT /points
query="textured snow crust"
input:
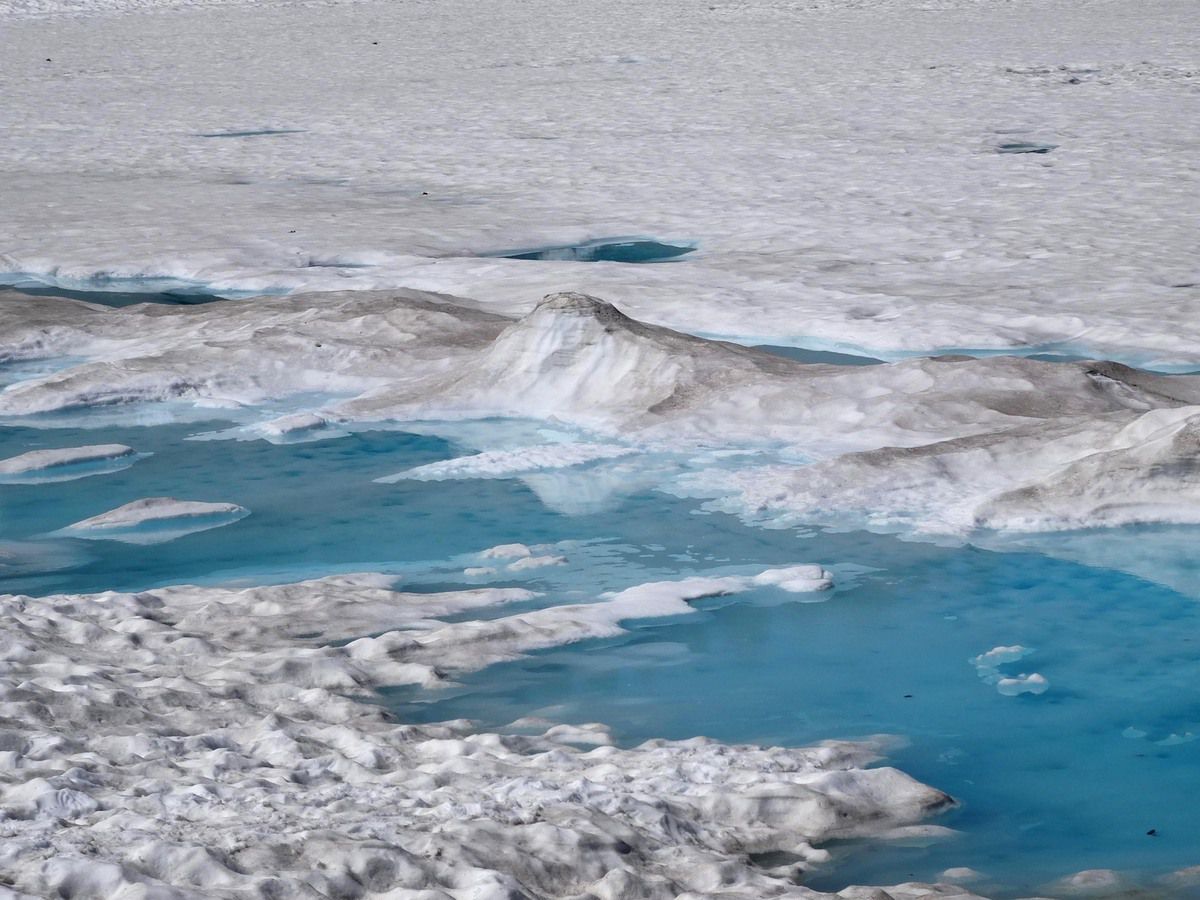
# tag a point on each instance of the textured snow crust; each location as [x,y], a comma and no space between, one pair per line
[947,444]
[196,742]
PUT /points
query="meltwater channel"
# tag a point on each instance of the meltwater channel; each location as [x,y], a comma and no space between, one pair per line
[1074,778]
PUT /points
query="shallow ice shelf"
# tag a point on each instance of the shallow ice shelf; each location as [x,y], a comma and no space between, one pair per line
[622,250]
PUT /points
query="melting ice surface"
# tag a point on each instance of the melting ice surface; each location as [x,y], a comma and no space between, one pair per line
[1052,783]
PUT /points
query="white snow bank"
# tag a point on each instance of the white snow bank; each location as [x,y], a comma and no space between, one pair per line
[209,742]
[153,520]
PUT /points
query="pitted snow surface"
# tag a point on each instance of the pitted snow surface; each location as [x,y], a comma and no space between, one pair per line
[190,742]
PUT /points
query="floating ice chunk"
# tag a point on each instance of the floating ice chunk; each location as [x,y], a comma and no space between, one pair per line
[998,656]
[298,427]
[535,562]
[506,463]
[987,667]
[478,571]
[154,520]
[797,579]
[1022,684]
[1091,882]
[1174,738]
[66,464]
[961,875]
[506,551]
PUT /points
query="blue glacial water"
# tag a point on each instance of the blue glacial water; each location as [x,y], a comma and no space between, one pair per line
[1050,784]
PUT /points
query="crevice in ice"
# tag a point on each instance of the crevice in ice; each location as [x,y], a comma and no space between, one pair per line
[820,357]
[1025,147]
[621,250]
[257,132]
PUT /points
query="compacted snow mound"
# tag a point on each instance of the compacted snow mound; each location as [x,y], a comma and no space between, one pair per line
[209,742]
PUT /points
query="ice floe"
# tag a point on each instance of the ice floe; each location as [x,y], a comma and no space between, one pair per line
[153,520]
[988,667]
[66,464]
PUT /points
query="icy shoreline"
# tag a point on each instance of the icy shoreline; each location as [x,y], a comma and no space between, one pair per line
[945,445]
[211,743]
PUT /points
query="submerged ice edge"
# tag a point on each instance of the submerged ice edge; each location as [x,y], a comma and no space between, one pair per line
[188,692]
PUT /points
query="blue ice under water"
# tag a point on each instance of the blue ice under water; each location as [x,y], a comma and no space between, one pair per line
[1050,784]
